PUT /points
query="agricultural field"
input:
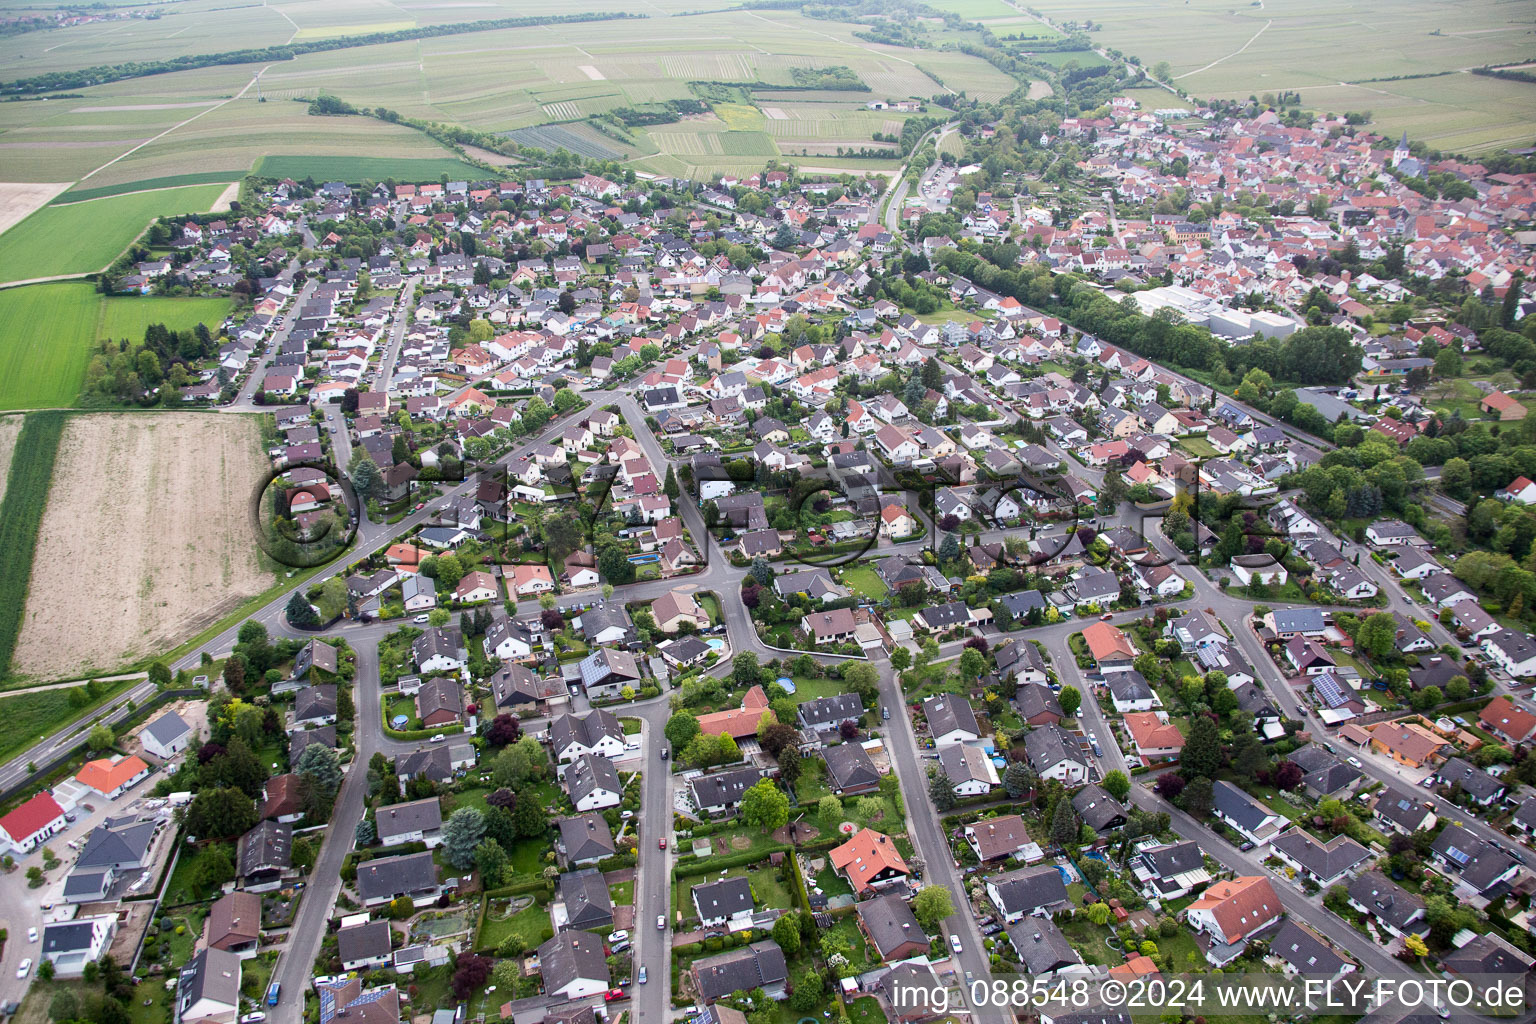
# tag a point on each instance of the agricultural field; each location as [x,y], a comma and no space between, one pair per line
[83,238]
[173,537]
[547,80]
[1216,49]
[48,332]
[364,168]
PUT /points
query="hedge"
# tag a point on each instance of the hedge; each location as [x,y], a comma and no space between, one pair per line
[413,734]
[687,867]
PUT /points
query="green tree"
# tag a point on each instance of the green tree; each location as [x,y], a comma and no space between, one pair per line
[322,764]
[1197,796]
[765,806]
[1117,785]
[212,869]
[1376,635]
[1064,823]
[1018,779]
[941,791]
[786,932]
[681,728]
[462,833]
[972,664]
[220,813]
[1202,749]
[492,862]
[1099,913]
[829,812]
[1070,699]
[101,738]
[300,613]
[932,904]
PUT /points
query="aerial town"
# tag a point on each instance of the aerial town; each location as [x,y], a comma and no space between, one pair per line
[730,601]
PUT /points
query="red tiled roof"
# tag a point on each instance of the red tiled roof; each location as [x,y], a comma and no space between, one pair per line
[31,817]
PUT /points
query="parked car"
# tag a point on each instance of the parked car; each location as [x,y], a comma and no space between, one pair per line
[954,943]
[422,618]
[612,994]
[641,977]
[661,922]
[618,936]
[661,844]
[23,968]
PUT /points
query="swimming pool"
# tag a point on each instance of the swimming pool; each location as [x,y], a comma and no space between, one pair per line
[715,644]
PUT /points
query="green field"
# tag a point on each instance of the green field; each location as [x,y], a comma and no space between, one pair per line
[83,238]
[126,316]
[48,331]
[21,511]
[356,169]
[170,181]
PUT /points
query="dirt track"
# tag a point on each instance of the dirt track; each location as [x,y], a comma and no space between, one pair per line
[144,540]
[10,429]
[19,199]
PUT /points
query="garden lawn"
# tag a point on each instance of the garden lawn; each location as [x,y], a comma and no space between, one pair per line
[83,238]
[810,689]
[181,889]
[1183,955]
[711,606]
[528,923]
[847,929]
[863,580]
[865,1010]
[159,999]
[1088,939]
[831,883]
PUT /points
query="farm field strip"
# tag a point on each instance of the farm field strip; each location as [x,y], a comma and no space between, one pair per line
[10,429]
[21,512]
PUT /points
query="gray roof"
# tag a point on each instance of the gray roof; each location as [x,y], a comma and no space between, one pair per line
[1040,946]
[588,774]
[1381,896]
[1097,808]
[1487,954]
[947,712]
[584,730]
[315,702]
[1299,620]
[1029,889]
[1304,951]
[433,762]
[67,937]
[268,846]
[212,974]
[586,836]
[111,848]
[168,728]
[363,941]
[595,620]
[1050,745]
[850,767]
[1035,699]
[889,921]
[1128,686]
[444,641]
[1475,782]
[832,711]
[1324,860]
[585,894]
[572,955]
[963,762]
[723,787]
[1402,809]
[723,898]
[1239,807]
[760,965]
[394,876]
[1174,858]
[402,819]
[1481,863]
